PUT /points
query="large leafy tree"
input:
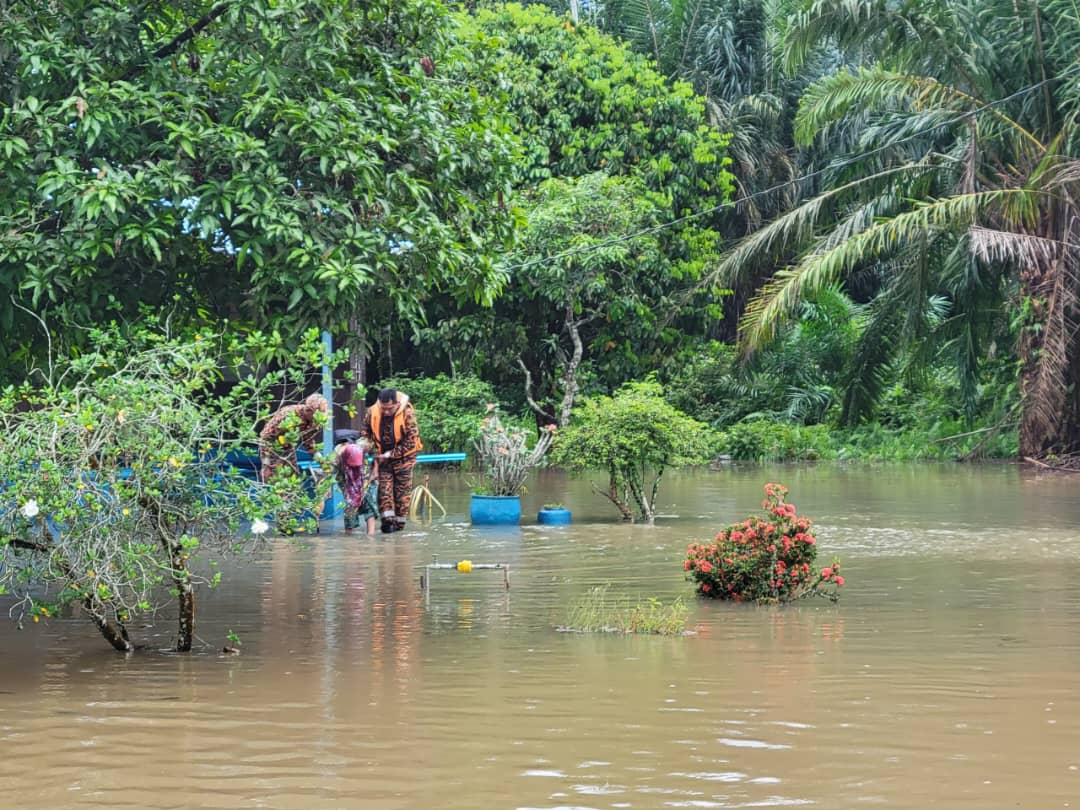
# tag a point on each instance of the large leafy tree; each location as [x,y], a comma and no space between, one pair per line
[732,53]
[595,277]
[953,200]
[293,161]
[613,149]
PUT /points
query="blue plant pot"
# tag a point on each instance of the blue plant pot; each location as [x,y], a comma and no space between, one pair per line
[495,510]
[553,517]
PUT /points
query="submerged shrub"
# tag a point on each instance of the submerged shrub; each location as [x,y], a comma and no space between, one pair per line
[599,612]
[764,559]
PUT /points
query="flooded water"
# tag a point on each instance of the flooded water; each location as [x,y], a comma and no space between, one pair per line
[946,677]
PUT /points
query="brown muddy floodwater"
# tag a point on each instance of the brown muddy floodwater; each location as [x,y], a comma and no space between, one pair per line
[947,676]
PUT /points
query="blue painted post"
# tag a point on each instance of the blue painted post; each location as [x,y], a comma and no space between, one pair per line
[336,502]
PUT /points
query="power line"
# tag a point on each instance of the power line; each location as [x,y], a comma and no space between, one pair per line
[811,175]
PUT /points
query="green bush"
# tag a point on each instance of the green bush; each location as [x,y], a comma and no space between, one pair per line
[635,436]
[777,441]
[448,410]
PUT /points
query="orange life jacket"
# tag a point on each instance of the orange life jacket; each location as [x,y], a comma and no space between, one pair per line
[375,418]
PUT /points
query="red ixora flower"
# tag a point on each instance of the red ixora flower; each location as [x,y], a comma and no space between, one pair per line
[839,581]
[769,556]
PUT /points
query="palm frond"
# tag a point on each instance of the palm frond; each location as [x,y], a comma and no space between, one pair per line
[1022,249]
[779,298]
[867,372]
[931,33]
[1044,391]
[828,100]
[793,230]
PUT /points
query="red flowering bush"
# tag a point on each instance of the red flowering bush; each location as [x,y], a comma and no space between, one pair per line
[764,559]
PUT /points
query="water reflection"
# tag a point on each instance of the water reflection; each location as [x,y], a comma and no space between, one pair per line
[954,653]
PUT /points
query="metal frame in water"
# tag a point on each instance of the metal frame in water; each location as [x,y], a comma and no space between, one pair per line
[464,567]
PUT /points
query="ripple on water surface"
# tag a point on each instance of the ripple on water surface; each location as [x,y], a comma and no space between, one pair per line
[954,652]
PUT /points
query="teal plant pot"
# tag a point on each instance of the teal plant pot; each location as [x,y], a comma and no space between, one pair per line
[553,517]
[495,510]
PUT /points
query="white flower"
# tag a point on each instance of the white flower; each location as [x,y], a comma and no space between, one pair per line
[29,509]
[259,526]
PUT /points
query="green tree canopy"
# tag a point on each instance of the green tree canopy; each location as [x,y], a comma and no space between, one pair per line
[634,436]
[615,152]
[293,160]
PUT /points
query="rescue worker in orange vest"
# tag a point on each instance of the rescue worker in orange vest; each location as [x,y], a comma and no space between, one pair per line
[391,429]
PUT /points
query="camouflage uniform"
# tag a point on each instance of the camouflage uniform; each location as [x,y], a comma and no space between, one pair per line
[399,436]
[275,448]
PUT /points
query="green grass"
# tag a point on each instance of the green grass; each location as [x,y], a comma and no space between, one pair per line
[600,612]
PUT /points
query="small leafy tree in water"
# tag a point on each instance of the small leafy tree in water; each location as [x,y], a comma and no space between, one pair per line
[117,481]
[764,559]
[636,436]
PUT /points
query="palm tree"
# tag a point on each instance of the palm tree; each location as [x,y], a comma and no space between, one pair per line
[955,190]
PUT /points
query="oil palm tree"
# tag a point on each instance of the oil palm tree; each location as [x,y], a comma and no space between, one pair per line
[731,52]
[955,190]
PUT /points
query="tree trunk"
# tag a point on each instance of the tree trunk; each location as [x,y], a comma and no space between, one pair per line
[114,633]
[187,619]
[612,495]
[570,371]
[1046,346]
[543,417]
[356,380]
[637,492]
[569,374]
[185,600]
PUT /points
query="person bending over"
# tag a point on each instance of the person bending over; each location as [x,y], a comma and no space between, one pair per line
[391,429]
[291,427]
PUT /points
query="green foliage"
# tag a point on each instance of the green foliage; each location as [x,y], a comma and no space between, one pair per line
[599,612]
[634,436]
[613,298]
[950,202]
[585,102]
[117,483]
[291,163]
[763,440]
[795,380]
[612,149]
[448,410]
[764,559]
[505,456]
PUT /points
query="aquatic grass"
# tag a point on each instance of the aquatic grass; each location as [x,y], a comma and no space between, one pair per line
[600,612]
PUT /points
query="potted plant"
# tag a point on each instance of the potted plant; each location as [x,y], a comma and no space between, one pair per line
[506,460]
[553,514]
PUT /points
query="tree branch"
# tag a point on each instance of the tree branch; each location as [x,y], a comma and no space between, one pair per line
[528,390]
[570,374]
[28,544]
[183,37]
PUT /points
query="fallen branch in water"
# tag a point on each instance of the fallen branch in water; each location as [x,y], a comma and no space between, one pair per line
[1064,466]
